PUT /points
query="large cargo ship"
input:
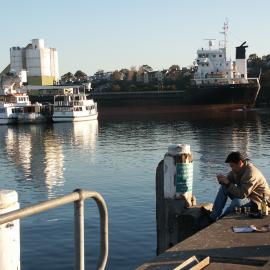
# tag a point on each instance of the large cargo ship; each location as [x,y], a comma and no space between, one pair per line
[219,84]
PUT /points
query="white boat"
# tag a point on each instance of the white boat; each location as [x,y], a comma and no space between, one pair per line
[73,108]
[16,108]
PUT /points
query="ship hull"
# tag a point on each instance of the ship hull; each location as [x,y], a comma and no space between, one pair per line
[194,99]
[74,118]
[245,94]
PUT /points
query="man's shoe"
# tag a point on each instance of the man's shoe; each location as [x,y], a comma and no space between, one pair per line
[207,214]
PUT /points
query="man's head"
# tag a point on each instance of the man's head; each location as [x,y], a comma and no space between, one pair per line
[236,161]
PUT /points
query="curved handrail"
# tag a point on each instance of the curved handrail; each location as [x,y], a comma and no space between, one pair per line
[77,196]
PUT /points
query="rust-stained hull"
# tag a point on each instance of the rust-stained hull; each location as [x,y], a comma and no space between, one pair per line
[163,111]
[218,98]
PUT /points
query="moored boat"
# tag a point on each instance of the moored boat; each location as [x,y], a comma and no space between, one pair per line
[219,80]
[16,109]
[73,108]
[219,84]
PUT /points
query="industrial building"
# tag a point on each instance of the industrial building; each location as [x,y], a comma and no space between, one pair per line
[40,63]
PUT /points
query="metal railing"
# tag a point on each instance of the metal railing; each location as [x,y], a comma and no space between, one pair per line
[78,196]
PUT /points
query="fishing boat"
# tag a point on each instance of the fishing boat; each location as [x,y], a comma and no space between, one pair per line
[73,108]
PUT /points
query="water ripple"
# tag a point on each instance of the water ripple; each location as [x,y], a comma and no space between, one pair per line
[117,159]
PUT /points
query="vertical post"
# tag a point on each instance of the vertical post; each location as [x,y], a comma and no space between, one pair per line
[79,234]
[174,177]
[9,232]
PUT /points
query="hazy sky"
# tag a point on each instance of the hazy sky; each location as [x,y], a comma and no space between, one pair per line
[91,35]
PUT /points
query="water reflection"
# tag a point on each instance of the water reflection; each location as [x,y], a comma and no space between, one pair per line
[37,152]
[85,134]
[18,150]
[118,159]
[216,138]
[80,134]
[53,163]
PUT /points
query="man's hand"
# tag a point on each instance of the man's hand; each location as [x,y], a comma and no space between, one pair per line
[222,179]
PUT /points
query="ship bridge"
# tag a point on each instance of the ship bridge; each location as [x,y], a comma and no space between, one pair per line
[212,64]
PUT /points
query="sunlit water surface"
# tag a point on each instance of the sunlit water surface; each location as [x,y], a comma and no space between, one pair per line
[117,159]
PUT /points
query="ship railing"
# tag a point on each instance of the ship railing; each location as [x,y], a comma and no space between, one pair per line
[78,103]
[211,81]
[211,77]
[78,196]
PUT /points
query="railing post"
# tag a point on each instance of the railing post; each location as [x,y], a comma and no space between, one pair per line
[79,233]
[78,196]
[9,232]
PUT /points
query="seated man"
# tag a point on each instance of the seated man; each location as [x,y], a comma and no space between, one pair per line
[245,185]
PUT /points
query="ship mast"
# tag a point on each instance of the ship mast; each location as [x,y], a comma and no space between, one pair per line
[225,33]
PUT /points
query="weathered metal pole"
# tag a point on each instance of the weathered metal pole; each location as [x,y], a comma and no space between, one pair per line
[79,234]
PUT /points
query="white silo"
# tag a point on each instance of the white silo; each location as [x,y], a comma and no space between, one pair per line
[38,43]
[54,64]
[16,59]
[39,62]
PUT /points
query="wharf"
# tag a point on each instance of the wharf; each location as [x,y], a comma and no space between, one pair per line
[227,250]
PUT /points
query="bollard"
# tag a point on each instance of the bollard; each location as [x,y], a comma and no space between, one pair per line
[178,173]
[177,214]
[9,233]
[184,173]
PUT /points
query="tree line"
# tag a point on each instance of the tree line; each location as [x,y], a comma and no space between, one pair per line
[173,78]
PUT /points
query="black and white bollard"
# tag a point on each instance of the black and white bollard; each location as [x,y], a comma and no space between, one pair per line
[9,232]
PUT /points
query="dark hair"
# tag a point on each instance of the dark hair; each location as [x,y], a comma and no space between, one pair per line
[235,157]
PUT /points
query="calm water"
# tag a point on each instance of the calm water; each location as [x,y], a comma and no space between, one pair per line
[117,159]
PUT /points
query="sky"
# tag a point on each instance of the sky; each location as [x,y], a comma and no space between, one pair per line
[114,34]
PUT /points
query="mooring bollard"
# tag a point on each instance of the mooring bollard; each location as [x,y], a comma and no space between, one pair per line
[9,233]
[176,214]
[178,173]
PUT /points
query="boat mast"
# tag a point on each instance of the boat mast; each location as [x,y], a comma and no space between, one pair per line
[225,33]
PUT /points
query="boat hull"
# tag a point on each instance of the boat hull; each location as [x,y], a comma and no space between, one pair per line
[4,121]
[245,94]
[32,118]
[194,99]
[74,118]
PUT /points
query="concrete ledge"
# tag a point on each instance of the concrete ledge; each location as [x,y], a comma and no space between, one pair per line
[228,250]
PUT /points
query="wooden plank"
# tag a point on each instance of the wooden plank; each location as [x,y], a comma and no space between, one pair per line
[193,264]
[201,264]
[187,264]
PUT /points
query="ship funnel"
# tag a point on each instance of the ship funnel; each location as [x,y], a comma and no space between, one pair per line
[241,62]
[241,51]
[243,44]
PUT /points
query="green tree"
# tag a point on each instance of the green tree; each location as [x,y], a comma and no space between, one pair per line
[253,57]
[67,78]
[80,76]
[174,73]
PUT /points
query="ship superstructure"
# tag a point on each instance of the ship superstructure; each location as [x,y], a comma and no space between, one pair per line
[213,67]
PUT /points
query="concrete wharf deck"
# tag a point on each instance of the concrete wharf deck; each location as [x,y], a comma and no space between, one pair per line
[227,249]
